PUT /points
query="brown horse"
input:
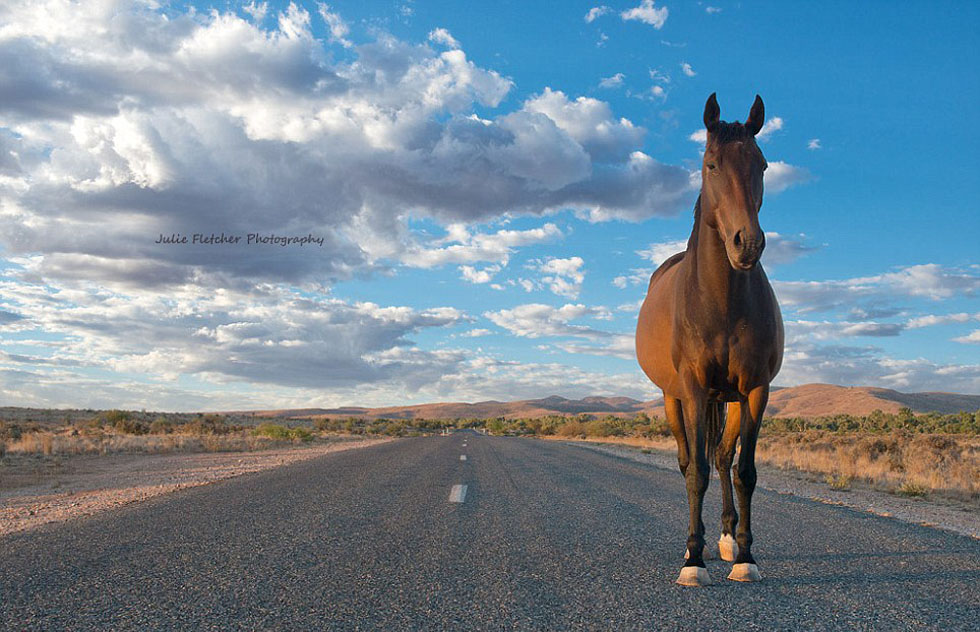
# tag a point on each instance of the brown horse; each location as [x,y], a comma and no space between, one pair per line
[710,332]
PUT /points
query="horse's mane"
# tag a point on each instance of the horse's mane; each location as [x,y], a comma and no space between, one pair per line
[725,132]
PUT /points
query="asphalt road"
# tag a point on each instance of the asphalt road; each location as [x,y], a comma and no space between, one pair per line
[547,537]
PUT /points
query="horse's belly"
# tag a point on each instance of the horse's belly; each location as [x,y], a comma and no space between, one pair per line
[655,332]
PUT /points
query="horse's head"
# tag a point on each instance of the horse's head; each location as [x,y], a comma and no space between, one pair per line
[731,183]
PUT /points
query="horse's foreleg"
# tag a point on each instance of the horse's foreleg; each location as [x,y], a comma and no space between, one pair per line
[727,548]
[745,568]
[675,418]
[698,471]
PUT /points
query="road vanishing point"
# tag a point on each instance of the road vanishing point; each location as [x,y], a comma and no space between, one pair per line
[523,534]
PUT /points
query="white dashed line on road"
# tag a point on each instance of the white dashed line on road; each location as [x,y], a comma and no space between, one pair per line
[458,494]
[462,457]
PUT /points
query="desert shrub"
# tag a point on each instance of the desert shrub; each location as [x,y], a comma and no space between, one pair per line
[161,425]
[572,429]
[208,425]
[277,431]
[10,431]
[130,426]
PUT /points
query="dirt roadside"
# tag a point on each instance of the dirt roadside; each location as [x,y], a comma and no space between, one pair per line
[938,513]
[86,485]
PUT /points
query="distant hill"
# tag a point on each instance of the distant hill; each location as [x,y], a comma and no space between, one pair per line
[808,400]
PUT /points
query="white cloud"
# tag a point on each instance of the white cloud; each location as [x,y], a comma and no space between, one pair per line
[814,144]
[471,274]
[444,37]
[929,281]
[596,12]
[712,10]
[336,24]
[564,277]
[659,252]
[257,10]
[475,333]
[972,338]
[687,70]
[590,123]
[535,320]
[647,13]
[931,320]
[465,247]
[265,335]
[612,82]
[782,175]
[771,126]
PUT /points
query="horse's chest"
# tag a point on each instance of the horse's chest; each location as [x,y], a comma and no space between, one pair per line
[727,358]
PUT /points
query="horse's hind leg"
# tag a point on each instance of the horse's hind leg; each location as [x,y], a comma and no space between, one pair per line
[727,548]
[745,568]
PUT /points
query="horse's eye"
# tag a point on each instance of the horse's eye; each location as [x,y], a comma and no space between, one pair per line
[711,165]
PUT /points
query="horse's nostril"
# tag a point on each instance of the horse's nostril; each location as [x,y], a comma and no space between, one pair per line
[738,239]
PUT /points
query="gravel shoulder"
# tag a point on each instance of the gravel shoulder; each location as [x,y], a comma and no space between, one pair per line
[86,485]
[930,512]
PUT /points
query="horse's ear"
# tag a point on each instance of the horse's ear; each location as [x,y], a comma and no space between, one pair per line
[757,116]
[711,111]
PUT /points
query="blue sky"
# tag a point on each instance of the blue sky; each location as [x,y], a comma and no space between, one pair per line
[493,187]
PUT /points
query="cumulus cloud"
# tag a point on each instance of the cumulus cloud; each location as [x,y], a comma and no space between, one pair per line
[770,127]
[200,123]
[928,281]
[590,123]
[971,338]
[337,26]
[257,10]
[806,362]
[712,10]
[473,275]
[444,37]
[269,335]
[647,13]
[564,277]
[535,320]
[814,144]
[687,70]
[462,246]
[544,321]
[782,175]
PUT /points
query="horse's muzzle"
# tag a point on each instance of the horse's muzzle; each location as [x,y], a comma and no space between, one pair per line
[744,251]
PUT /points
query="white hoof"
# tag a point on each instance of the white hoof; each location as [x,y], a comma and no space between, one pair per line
[745,573]
[706,554]
[694,576]
[727,547]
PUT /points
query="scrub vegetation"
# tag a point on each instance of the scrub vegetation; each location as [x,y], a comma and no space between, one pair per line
[905,453]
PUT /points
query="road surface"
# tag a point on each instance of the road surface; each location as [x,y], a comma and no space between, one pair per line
[544,536]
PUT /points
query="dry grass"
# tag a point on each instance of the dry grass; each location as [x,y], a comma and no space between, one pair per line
[66,443]
[913,465]
[902,463]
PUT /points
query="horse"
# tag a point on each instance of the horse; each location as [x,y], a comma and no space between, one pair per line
[710,333]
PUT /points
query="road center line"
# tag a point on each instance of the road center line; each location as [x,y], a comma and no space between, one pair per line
[458,494]
[462,457]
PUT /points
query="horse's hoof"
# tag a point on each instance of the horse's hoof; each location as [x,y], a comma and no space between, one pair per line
[745,572]
[727,547]
[694,576]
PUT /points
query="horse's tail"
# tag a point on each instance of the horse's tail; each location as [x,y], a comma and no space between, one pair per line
[714,426]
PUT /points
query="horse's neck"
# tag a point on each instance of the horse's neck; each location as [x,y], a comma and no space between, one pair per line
[710,271]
